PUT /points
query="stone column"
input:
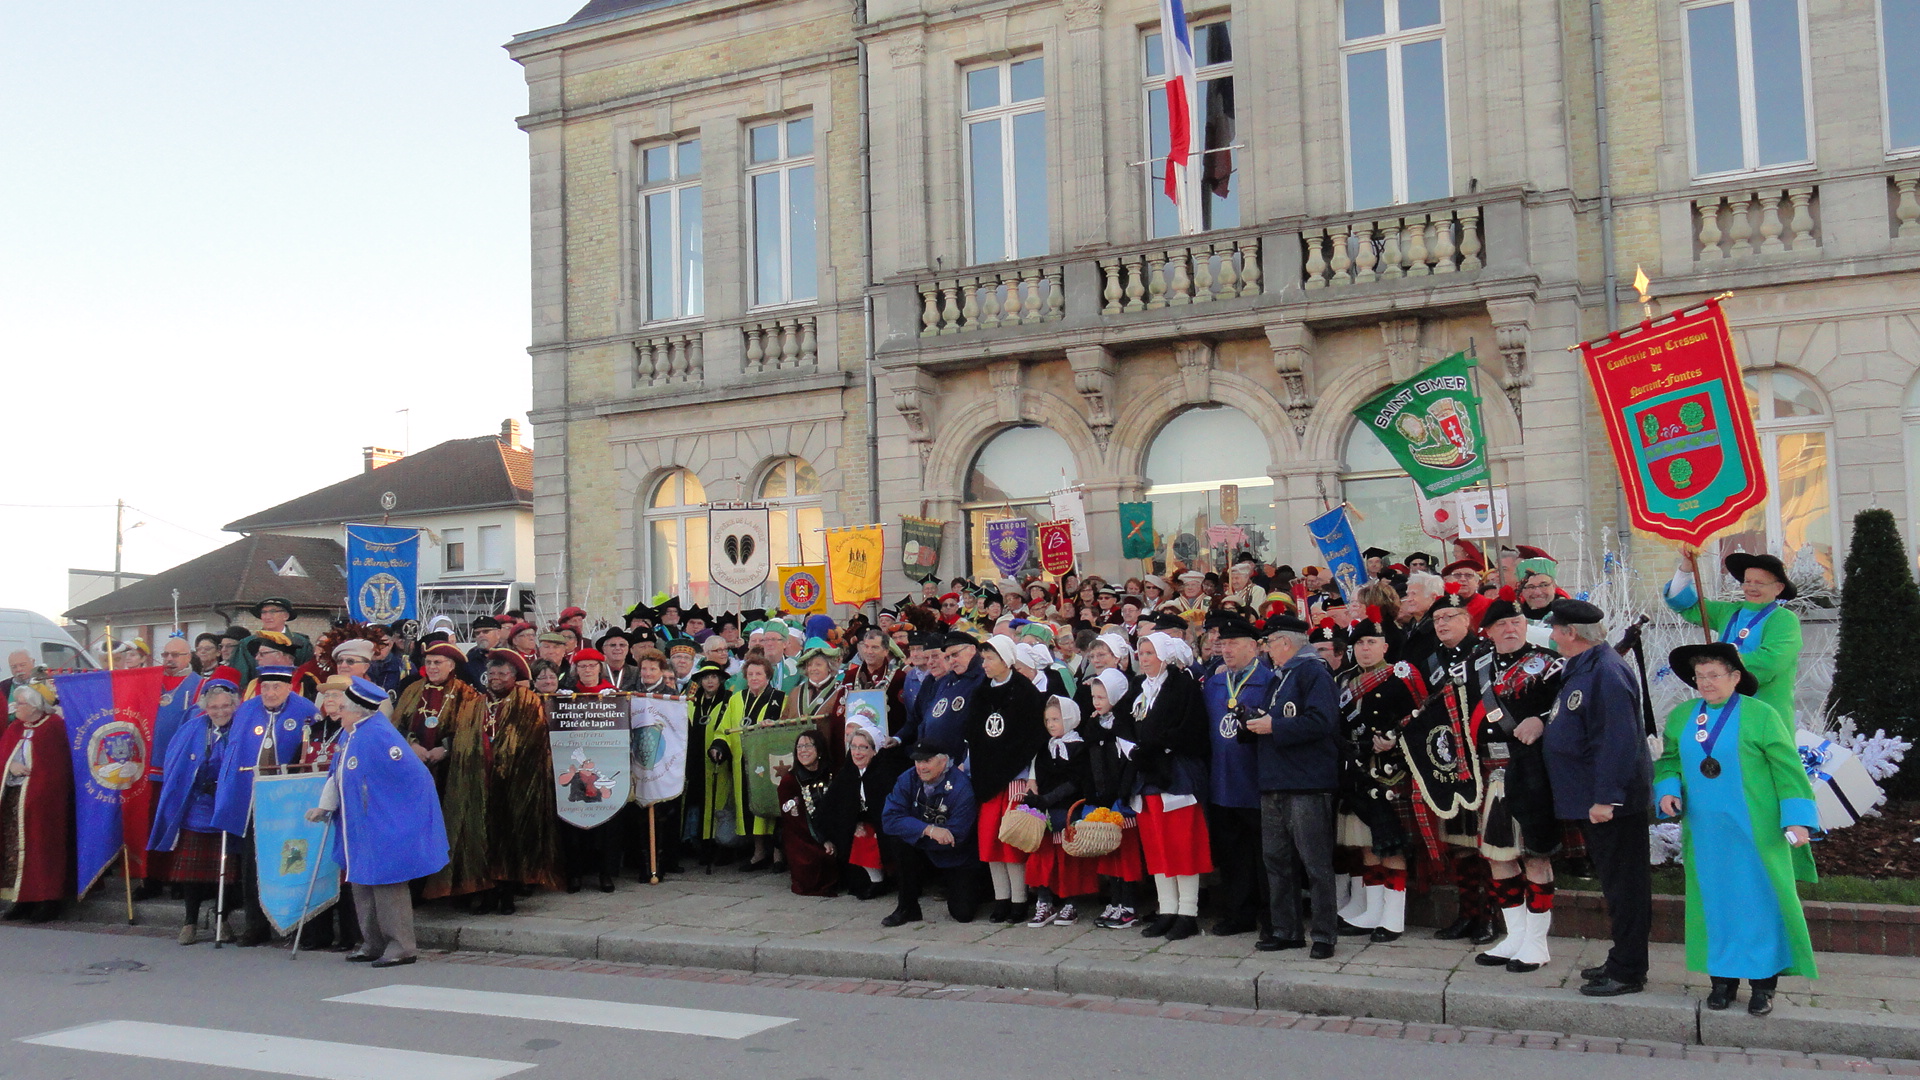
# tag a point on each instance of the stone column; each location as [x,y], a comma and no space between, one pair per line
[909,151]
[1081,116]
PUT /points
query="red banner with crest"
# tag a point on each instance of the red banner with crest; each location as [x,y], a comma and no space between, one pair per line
[1056,547]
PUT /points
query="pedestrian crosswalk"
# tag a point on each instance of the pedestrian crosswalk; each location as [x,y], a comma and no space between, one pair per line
[566,1010]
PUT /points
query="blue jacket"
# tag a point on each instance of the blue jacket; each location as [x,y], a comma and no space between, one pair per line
[1303,752]
[910,809]
[233,803]
[175,705]
[185,753]
[1596,743]
[940,713]
[1235,774]
[390,827]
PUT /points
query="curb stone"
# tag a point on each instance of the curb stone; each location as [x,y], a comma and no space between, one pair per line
[984,965]
[1654,1017]
[1325,993]
[1822,1031]
[815,955]
[677,948]
[1198,982]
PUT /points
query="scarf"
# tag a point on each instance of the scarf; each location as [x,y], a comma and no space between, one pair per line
[1057,748]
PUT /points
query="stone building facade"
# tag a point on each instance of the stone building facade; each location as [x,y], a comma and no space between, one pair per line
[1387,182]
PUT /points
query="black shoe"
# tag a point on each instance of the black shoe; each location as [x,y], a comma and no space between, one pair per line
[253,939]
[1002,911]
[398,961]
[1516,967]
[902,916]
[671,866]
[44,911]
[1184,927]
[1595,973]
[1231,927]
[487,904]
[1761,1003]
[573,884]
[1456,931]
[1487,959]
[724,856]
[755,866]
[1322,950]
[1381,935]
[1347,929]
[861,887]
[1723,994]
[1159,926]
[882,888]
[1274,944]
[507,906]
[17,911]
[1483,934]
[606,882]
[1611,987]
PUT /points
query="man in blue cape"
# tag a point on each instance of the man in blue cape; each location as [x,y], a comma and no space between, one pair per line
[389,828]
[267,732]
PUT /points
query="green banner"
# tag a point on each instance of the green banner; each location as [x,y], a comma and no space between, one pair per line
[920,547]
[1431,425]
[1136,530]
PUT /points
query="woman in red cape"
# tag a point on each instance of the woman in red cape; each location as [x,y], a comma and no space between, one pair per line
[805,830]
[36,809]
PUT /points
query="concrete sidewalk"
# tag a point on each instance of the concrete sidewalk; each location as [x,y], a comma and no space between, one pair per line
[1863,1005]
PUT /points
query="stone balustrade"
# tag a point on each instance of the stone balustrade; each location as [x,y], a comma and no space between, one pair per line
[1170,276]
[780,344]
[1388,248]
[1758,221]
[1000,297]
[1906,204]
[669,360]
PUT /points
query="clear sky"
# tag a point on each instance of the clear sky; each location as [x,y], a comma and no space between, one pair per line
[235,239]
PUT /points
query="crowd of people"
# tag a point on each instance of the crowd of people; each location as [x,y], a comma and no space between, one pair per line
[1057,751]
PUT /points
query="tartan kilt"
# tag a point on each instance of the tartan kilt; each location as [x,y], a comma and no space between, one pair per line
[196,859]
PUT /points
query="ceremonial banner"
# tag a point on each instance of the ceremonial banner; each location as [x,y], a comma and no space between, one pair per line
[1431,426]
[1226,538]
[590,740]
[766,752]
[289,851]
[1056,547]
[870,706]
[1229,503]
[1136,530]
[803,590]
[658,748]
[1483,513]
[854,561]
[739,558]
[1677,417]
[1439,516]
[383,563]
[109,718]
[1333,534]
[920,540]
[1071,506]
[1009,542]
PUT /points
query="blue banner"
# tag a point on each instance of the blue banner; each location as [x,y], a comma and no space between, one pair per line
[1009,541]
[290,850]
[1333,534]
[383,568]
[109,718]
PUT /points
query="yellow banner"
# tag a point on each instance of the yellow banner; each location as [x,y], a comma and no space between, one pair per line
[803,590]
[854,563]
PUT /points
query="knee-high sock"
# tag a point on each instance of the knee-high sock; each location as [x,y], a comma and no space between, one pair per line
[1510,896]
[1393,909]
[1373,890]
[873,874]
[1539,915]
[1002,885]
[1474,874]
[1017,881]
[1356,901]
[1187,890]
[1169,896]
[1539,896]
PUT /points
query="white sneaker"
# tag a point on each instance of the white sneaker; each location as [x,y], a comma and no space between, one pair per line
[1042,915]
[1068,915]
[1107,912]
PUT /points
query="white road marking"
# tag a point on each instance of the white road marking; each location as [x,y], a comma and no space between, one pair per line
[272,1053]
[566,1010]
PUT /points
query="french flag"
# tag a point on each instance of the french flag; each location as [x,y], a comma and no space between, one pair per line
[1182,98]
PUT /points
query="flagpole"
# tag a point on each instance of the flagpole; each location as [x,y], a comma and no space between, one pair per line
[307,904]
[126,872]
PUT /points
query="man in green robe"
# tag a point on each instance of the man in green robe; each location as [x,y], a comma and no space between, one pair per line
[1759,625]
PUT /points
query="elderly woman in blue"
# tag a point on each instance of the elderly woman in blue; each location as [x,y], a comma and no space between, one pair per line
[1731,773]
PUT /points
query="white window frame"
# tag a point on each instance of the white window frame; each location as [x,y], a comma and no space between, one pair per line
[679,514]
[1749,110]
[1003,114]
[1770,429]
[1395,39]
[1150,83]
[672,189]
[783,166]
[1886,96]
[498,559]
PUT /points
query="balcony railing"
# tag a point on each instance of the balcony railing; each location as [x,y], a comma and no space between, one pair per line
[1906,205]
[781,344]
[1758,221]
[1159,277]
[1388,248]
[669,360]
[1002,297]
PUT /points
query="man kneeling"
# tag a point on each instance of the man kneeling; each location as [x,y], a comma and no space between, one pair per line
[928,822]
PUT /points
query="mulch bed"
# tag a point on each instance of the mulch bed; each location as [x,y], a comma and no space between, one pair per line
[1875,847]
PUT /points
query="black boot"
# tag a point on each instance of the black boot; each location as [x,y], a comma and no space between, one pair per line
[1160,926]
[1760,1003]
[1184,926]
[1456,930]
[506,899]
[1723,993]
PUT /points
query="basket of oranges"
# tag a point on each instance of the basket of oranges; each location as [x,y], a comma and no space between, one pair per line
[1096,834]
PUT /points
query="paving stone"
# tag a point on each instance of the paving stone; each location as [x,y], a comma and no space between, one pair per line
[981,965]
[670,945]
[822,955]
[1196,981]
[1338,994]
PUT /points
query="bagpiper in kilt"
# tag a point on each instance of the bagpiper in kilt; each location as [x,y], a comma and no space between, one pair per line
[1378,800]
[1444,759]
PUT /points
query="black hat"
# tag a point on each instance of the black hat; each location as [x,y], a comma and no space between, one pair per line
[1374,625]
[1231,624]
[726,618]
[1505,606]
[1567,611]
[697,612]
[283,602]
[1683,660]
[1245,556]
[615,632]
[1283,623]
[236,633]
[709,667]
[926,639]
[435,638]
[486,622]
[1422,556]
[958,637]
[1740,562]
[641,611]
[1165,620]
[407,628]
[924,751]
[1375,553]
[270,639]
[1328,631]
[1454,597]
[672,603]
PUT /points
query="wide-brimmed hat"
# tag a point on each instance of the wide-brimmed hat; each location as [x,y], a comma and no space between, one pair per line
[1685,658]
[1740,562]
[294,613]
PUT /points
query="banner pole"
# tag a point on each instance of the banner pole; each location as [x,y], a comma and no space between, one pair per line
[1700,594]
[220,894]
[653,849]
[307,904]
[126,872]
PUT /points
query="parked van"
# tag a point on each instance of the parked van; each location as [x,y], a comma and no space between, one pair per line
[41,638]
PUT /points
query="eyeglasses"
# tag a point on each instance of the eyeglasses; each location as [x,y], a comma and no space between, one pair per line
[1713,676]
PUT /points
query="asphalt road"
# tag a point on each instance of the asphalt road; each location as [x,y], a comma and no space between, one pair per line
[77,994]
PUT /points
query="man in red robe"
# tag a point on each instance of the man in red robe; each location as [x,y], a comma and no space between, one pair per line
[36,807]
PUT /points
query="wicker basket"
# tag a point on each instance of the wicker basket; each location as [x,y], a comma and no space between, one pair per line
[1088,839]
[1022,830]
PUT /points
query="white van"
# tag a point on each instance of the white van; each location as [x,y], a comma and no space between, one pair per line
[42,638]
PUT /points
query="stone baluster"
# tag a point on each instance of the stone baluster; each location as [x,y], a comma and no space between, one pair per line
[809,343]
[1342,258]
[950,312]
[789,343]
[1157,281]
[1182,282]
[643,363]
[1136,281]
[676,359]
[696,358]
[970,303]
[929,310]
[1740,225]
[1056,295]
[1442,244]
[1800,222]
[1906,208]
[1249,267]
[1227,283]
[757,347]
[1417,247]
[1470,240]
[1030,304]
[1770,223]
[1365,255]
[1202,258]
[1110,291]
[991,306]
[1709,236]
[1390,249]
[1316,261]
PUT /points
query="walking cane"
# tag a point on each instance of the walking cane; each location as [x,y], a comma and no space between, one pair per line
[220,893]
[300,926]
[653,850]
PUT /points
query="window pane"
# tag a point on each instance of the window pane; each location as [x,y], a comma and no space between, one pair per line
[1365,18]
[697,558]
[695,494]
[1213,443]
[1021,463]
[1417,13]
[1793,397]
[1806,509]
[668,493]
[1030,182]
[766,143]
[1369,143]
[663,555]
[1779,98]
[1392,515]
[1715,85]
[1028,78]
[989,209]
[800,232]
[766,238]
[660,256]
[800,137]
[692,259]
[779,531]
[805,480]
[1423,78]
[1166,217]
[1222,209]
[1213,44]
[983,88]
[811,520]
[1156,57]
[775,485]
[1900,37]
[689,158]
[658,164]
[1366,453]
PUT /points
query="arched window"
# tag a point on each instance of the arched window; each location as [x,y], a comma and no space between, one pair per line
[1190,459]
[791,491]
[1376,486]
[1796,440]
[676,530]
[1012,475]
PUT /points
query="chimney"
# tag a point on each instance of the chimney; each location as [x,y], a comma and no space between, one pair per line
[510,433]
[378,456]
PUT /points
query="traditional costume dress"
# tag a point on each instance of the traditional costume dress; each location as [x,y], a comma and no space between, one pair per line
[183,813]
[36,816]
[727,779]
[703,718]
[1443,745]
[1111,741]
[522,842]
[855,801]
[1062,776]
[804,827]
[1170,784]
[817,703]
[1006,730]
[263,738]
[1767,635]
[453,715]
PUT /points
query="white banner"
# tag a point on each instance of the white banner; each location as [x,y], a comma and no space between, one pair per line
[1439,517]
[739,556]
[659,748]
[1483,513]
[1071,505]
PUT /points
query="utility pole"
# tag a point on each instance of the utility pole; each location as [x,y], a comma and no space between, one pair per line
[119,537]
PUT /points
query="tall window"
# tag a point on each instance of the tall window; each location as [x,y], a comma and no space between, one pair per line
[1196,452]
[676,526]
[670,210]
[1213,64]
[1899,44]
[791,491]
[453,550]
[1746,85]
[780,176]
[1011,477]
[492,548]
[1006,129]
[1375,484]
[1796,439]
[1395,68]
